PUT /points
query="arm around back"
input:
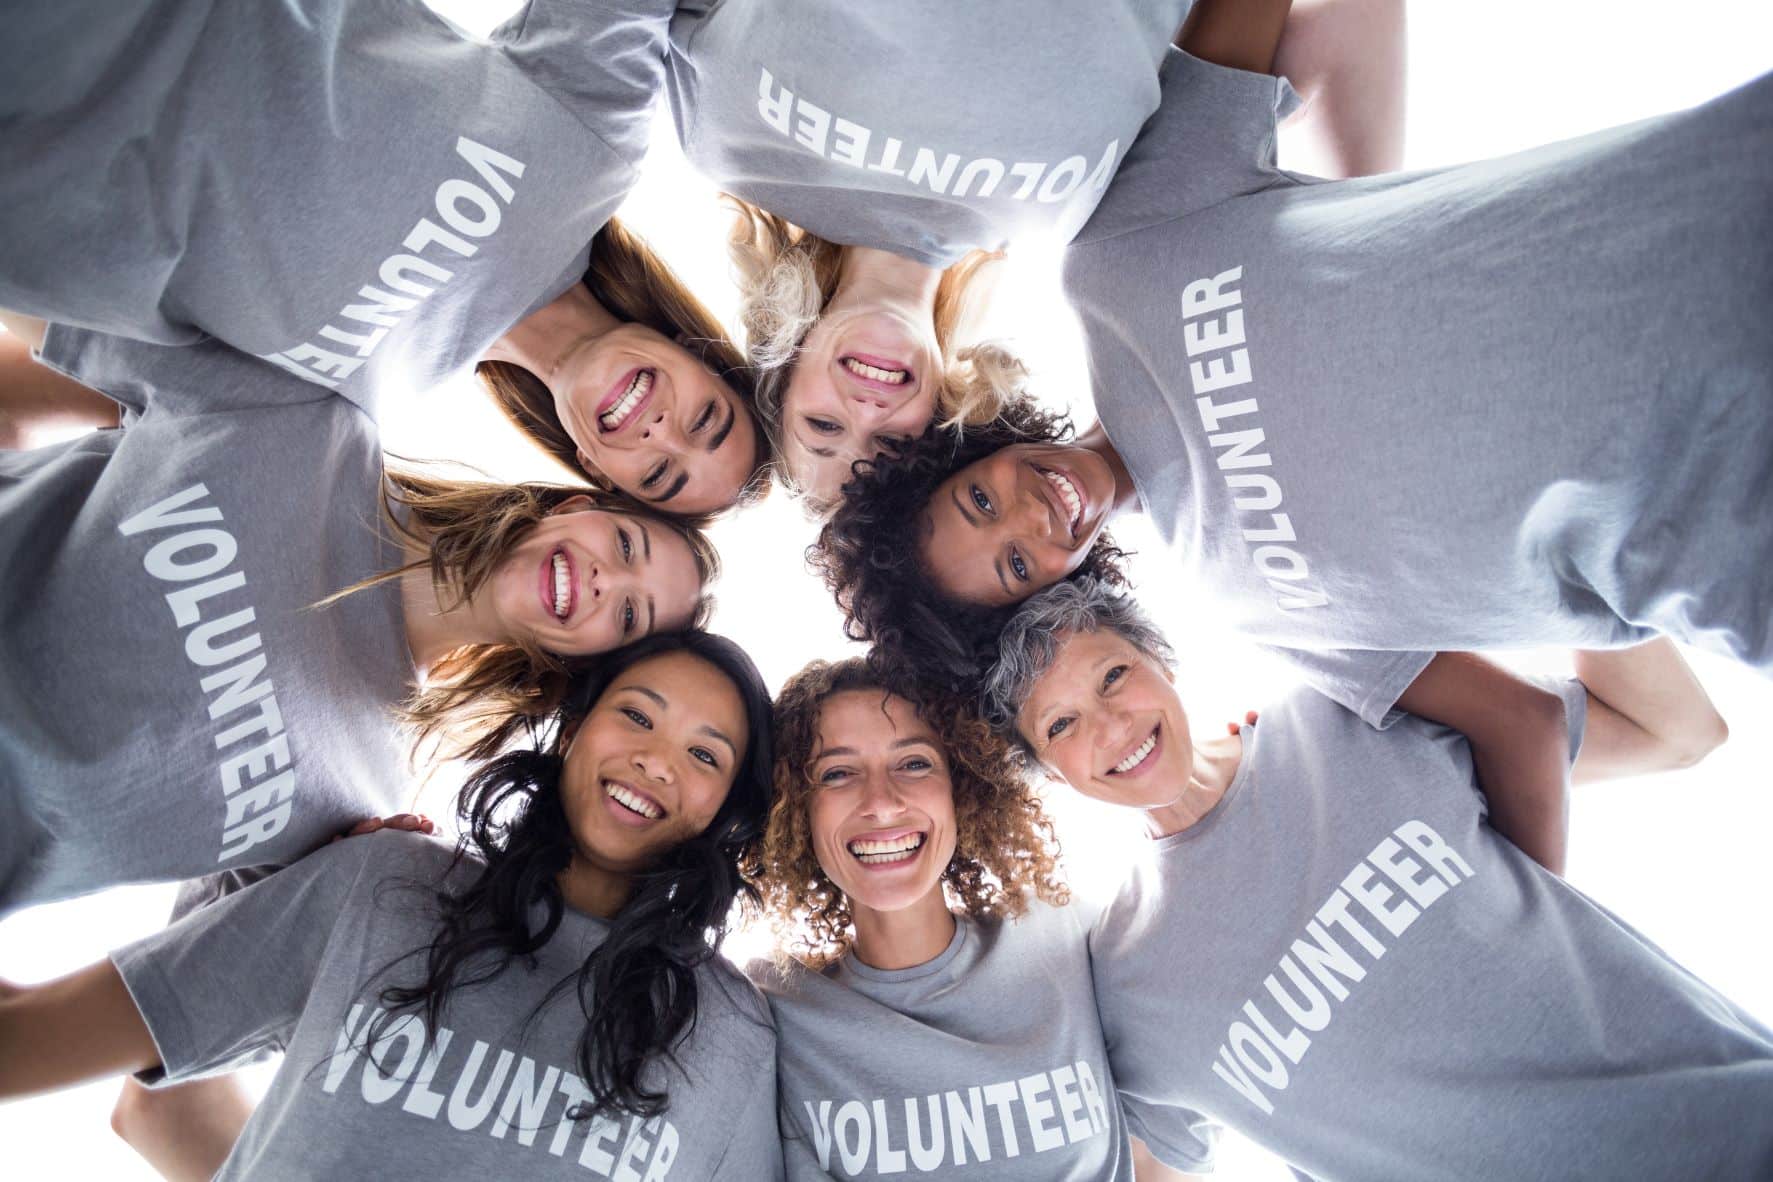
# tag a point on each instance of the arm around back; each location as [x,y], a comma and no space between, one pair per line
[1647,713]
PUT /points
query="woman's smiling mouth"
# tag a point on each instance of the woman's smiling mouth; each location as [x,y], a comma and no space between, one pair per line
[621,403]
[559,589]
[630,805]
[1140,757]
[876,373]
[896,849]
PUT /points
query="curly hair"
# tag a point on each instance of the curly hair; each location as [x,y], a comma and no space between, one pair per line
[870,552]
[1005,846]
[627,277]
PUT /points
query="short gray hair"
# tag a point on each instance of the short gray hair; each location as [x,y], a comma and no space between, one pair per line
[1030,642]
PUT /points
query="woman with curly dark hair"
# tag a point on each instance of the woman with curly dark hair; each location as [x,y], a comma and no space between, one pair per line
[426,1001]
[892,571]
[937,1010]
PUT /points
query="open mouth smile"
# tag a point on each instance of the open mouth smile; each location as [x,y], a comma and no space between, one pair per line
[889,851]
[876,372]
[559,590]
[637,806]
[1069,496]
[1139,757]
[629,396]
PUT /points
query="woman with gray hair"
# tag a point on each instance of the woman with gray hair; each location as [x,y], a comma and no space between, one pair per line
[1350,923]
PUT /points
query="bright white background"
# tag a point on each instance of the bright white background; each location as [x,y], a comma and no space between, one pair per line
[1685,858]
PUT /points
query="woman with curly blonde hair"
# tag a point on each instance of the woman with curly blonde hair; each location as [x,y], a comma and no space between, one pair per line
[913,875]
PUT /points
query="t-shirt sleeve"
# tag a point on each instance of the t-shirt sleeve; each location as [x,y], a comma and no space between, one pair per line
[229,980]
[1211,137]
[185,379]
[1181,1138]
[1575,696]
[605,60]
[1366,681]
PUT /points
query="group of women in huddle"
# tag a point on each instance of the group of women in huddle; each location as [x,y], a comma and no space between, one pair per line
[235,232]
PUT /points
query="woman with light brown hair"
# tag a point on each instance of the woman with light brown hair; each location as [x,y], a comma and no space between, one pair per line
[218,617]
[932,999]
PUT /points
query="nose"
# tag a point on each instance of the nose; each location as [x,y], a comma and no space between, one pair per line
[653,764]
[661,428]
[1033,517]
[880,797]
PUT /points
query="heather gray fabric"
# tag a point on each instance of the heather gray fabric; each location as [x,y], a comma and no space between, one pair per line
[297,963]
[921,127]
[1345,963]
[173,705]
[352,188]
[985,1062]
[1526,401]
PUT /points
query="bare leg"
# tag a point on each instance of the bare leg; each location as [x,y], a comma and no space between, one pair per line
[1346,59]
[37,403]
[186,1131]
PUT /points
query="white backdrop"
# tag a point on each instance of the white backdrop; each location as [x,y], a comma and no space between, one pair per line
[1681,857]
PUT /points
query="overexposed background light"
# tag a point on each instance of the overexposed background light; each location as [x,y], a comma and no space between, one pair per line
[1682,857]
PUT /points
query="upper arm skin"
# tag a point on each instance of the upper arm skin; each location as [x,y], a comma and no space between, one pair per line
[35,399]
[28,329]
[1520,746]
[80,1027]
[1647,713]
[1239,34]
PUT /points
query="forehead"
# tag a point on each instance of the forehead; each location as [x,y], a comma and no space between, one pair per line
[960,554]
[1077,654]
[869,718]
[695,690]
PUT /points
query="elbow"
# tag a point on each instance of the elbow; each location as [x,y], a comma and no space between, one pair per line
[1699,741]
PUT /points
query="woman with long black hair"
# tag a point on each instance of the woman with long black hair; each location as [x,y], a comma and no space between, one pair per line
[427,1002]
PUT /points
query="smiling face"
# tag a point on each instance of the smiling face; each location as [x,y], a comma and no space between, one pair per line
[1106,719]
[589,580]
[882,805]
[1018,520]
[655,421]
[651,764]
[864,378]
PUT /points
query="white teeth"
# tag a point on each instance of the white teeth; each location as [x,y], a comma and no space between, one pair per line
[1138,757]
[562,586]
[1068,493]
[618,414]
[897,850]
[633,802]
[861,369]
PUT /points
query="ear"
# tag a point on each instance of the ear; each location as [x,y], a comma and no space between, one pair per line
[1169,672]
[578,503]
[568,733]
[586,464]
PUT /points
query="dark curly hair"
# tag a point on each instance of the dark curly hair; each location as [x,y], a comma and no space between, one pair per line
[1005,848]
[870,552]
[638,989]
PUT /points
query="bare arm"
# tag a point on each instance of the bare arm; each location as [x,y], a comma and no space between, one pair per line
[1647,713]
[185,1131]
[35,398]
[1520,747]
[1346,60]
[1146,1167]
[1240,34]
[28,329]
[81,1027]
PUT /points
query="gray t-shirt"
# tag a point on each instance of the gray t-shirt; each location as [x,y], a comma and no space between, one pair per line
[1345,963]
[986,1062]
[1526,401]
[297,963]
[922,127]
[353,189]
[174,705]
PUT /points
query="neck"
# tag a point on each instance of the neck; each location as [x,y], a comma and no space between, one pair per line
[905,938]
[592,889]
[432,629]
[542,341]
[1215,766]
[1125,494]
[869,276]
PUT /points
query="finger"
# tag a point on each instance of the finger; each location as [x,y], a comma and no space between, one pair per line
[1250,717]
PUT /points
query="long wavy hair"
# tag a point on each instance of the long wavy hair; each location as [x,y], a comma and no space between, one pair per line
[480,696]
[869,553]
[1005,848]
[635,285]
[638,989]
[787,275]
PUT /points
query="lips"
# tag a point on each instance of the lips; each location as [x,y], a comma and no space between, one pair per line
[1066,496]
[1141,757]
[625,399]
[558,585]
[630,805]
[898,847]
[880,374]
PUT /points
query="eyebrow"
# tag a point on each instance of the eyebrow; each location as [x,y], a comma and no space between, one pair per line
[646,541]
[911,741]
[725,430]
[655,695]
[711,731]
[652,615]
